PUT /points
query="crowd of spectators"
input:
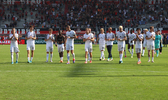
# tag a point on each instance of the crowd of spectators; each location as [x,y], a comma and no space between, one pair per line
[86,13]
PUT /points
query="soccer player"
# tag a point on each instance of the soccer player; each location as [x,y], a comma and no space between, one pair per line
[101,39]
[110,37]
[88,38]
[60,42]
[121,37]
[49,44]
[30,37]
[144,41]
[131,37]
[14,45]
[150,37]
[90,31]
[138,46]
[3,39]
[70,36]
[157,42]
[161,45]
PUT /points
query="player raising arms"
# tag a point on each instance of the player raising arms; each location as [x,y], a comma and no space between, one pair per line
[150,37]
[14,45]
[131,37]
[49,44]
[70,36]
[144,41]
[30,37]
[110,37]
[138,46]
[88,38]
[60,42]
[157,42]
[101,39]
[121,37]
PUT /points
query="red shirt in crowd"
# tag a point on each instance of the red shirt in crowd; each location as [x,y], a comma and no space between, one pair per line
[2,38]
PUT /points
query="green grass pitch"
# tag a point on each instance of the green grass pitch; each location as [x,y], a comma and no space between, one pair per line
[100,80]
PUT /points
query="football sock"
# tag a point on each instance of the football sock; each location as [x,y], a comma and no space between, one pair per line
[139,59]
[11,56]
[47,56]
[143,52]
[149,58]
[90,59]
[68,56]
[129,50]
[28,58]
[157,52]
[31,58]
[17,56]
[121,55]
[88,56]
[51,55]
[101,54]
[132,52]
[73,55]
[85,59]
[152,58]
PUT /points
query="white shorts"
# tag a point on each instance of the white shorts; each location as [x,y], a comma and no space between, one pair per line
[131,43]
[121,47]
[60,48]
[151,47]
[14,49]
[144,44]
[69,46]
[30,46]
[138,50]
[88,48]
[49,49]
[102,47]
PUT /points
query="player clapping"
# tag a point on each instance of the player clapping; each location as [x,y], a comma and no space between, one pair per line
[70,36]
[49,44]
[88,38]
[14,45]
[30,37]
[121,37]
[138,46]
[131,37]
[60,43]
[150,37]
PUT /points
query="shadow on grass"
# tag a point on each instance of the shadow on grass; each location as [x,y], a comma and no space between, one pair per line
[81,70]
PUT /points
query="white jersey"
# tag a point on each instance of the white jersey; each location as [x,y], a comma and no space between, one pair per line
[14,41]
[49,42]
[71,33]
[150,41]
[90,36]
[138,42]
[110,36]
[131,38]
[121,35]
[102,39]
[144,37]
[30,41]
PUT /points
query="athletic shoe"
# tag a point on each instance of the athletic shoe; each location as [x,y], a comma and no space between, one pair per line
[30,61]
[73,60]
[16,62]
[120,62]
[90,61]
[152,61]
[68,62]
[139,62]
[131,56]
[12,63]
[157,55]
[125,56]
[46,61]
[108,59]
[148,60]
[85,62]
[160,53]
[61,61]
[100,59]
[142,55]
[111,59]
[104,59]
[51,61]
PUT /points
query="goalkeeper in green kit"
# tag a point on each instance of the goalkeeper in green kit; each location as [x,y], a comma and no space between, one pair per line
[157,42]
